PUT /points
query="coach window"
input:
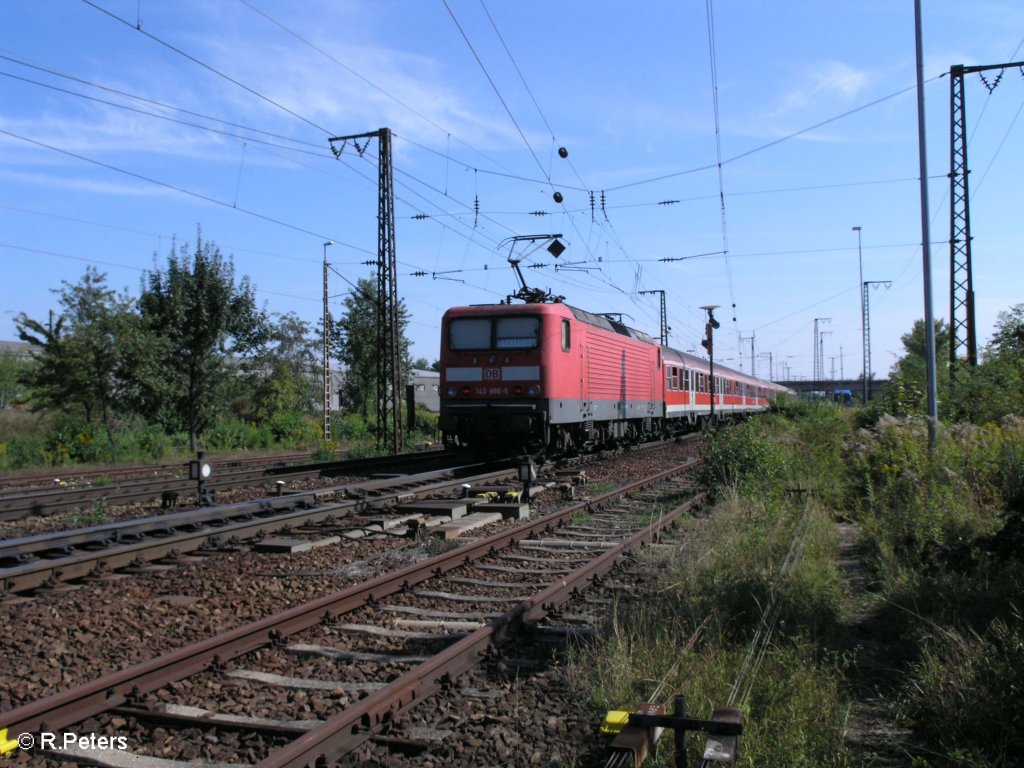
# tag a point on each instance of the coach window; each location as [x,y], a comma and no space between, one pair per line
[516,332]
[566,336]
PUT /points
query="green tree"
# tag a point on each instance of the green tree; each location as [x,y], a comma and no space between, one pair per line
[995,388]
[197,327]
[907,391]
[79,360]
[355,335]
[14,370]
[288,380]
[422,364]
[1008,339]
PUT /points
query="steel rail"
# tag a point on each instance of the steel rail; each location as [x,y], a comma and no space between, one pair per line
[126,529]
[77,474]
[74,705]
[20,503]
[344,732]
[258,517]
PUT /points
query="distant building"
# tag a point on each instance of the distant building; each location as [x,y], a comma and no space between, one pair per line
[16,348]
[426,388]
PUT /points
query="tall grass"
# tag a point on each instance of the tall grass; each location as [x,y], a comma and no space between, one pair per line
[943,534]
[730,567]
[966,691]
[944,529]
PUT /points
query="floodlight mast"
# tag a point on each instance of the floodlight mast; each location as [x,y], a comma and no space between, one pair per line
[525,293]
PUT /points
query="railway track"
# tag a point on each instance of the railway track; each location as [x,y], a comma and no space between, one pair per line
[19,502]
[46,560]
[318,681]
[73,476]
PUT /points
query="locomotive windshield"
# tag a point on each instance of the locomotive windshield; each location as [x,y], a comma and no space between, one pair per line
[476,333]
[516,332]
[469,333]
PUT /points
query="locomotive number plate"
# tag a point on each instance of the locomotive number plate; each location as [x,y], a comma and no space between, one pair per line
[492,374]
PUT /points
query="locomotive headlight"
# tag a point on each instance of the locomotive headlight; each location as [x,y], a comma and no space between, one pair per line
[452,391]
[534,390]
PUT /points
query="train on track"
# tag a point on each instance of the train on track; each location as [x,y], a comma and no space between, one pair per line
[536,377]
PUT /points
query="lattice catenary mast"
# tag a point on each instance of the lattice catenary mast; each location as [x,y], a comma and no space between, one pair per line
[389,365]
[963,341]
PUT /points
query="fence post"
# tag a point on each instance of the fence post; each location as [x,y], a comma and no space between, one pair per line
[680,732]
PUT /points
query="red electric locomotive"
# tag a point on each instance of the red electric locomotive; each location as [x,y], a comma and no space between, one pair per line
[548,376]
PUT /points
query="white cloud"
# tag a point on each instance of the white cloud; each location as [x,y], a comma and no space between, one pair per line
[91,186]
[828,82]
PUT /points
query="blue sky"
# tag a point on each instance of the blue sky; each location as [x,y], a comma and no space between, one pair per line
[231,102]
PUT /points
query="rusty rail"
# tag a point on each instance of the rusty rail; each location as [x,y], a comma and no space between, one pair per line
[355,724]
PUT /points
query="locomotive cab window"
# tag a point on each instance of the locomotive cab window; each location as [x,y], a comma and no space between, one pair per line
[469,333]
[516,332]
[480,333]
[566,336]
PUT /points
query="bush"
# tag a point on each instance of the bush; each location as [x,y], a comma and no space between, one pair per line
[148,442]
[910,499]
[352,426]
[743,458]
[292,429]
[24,452]
[426,426]
[325,451]
[230,434]
[73,440]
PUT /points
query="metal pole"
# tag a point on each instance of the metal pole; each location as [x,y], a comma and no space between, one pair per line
[929,321]
[863,317]
[663,323]
[389,358]
[867,316]
[327,353]
[819,361]
[814,374]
